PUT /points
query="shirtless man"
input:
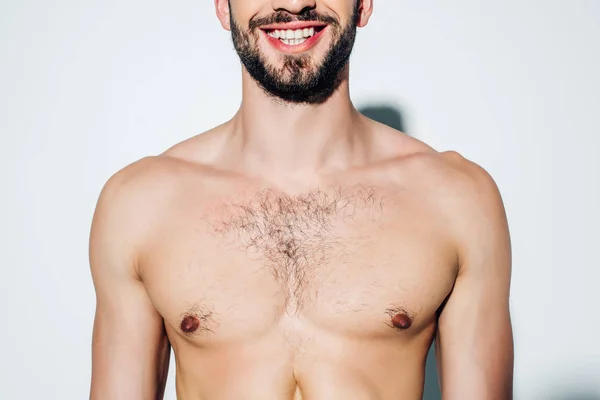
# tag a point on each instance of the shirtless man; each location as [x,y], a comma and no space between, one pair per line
[300,250]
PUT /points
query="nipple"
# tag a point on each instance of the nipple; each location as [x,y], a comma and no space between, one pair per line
[190,324]
[401,321]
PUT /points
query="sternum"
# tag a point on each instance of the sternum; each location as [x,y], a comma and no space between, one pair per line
[298,394]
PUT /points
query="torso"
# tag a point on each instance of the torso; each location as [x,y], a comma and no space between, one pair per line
[327,294]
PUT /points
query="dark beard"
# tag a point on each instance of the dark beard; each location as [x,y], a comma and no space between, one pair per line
[303,85]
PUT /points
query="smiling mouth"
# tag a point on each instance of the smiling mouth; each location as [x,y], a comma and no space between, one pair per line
[294,37]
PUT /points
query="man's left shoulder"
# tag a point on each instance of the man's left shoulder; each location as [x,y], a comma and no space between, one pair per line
[458,180]
[457,171]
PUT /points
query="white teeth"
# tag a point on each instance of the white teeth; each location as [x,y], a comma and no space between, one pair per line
[293,42]
[292,36]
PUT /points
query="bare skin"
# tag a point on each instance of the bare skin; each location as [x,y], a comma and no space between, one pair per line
[301,252]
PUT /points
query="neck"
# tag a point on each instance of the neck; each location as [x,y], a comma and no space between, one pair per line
[271,137]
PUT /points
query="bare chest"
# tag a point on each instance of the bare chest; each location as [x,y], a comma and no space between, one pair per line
[357,263]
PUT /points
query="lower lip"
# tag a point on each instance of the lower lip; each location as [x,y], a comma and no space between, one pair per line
[295,48]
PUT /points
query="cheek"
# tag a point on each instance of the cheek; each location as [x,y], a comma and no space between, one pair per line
[342,10]
[243,11]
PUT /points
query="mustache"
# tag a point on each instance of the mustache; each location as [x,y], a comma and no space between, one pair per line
[282,17]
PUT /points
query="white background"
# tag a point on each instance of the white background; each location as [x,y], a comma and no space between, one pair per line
[88,86]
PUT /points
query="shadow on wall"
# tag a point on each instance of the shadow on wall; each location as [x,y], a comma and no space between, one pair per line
[392,117]
[386,114]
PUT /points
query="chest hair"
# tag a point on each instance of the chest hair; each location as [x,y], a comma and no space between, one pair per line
[294,235]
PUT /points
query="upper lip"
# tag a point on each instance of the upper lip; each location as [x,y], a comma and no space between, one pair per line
[293,25]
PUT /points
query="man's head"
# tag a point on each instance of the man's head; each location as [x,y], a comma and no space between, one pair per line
[296,50]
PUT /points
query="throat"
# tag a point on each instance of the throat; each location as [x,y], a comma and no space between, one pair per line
[295,139]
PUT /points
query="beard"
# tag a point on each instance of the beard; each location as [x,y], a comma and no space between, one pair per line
[299,80]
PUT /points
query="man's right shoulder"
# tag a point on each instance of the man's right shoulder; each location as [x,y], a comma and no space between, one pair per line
[146,178]
[137,194]
[130,207]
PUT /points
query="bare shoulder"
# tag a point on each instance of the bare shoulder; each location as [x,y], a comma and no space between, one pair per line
[452,174]
[130,204]
[479,191]
[468,198]
[448,175]
[138,192]
[140,184]
[461,190]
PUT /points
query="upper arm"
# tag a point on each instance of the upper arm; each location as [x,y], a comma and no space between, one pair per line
[475,343]
[130,351]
